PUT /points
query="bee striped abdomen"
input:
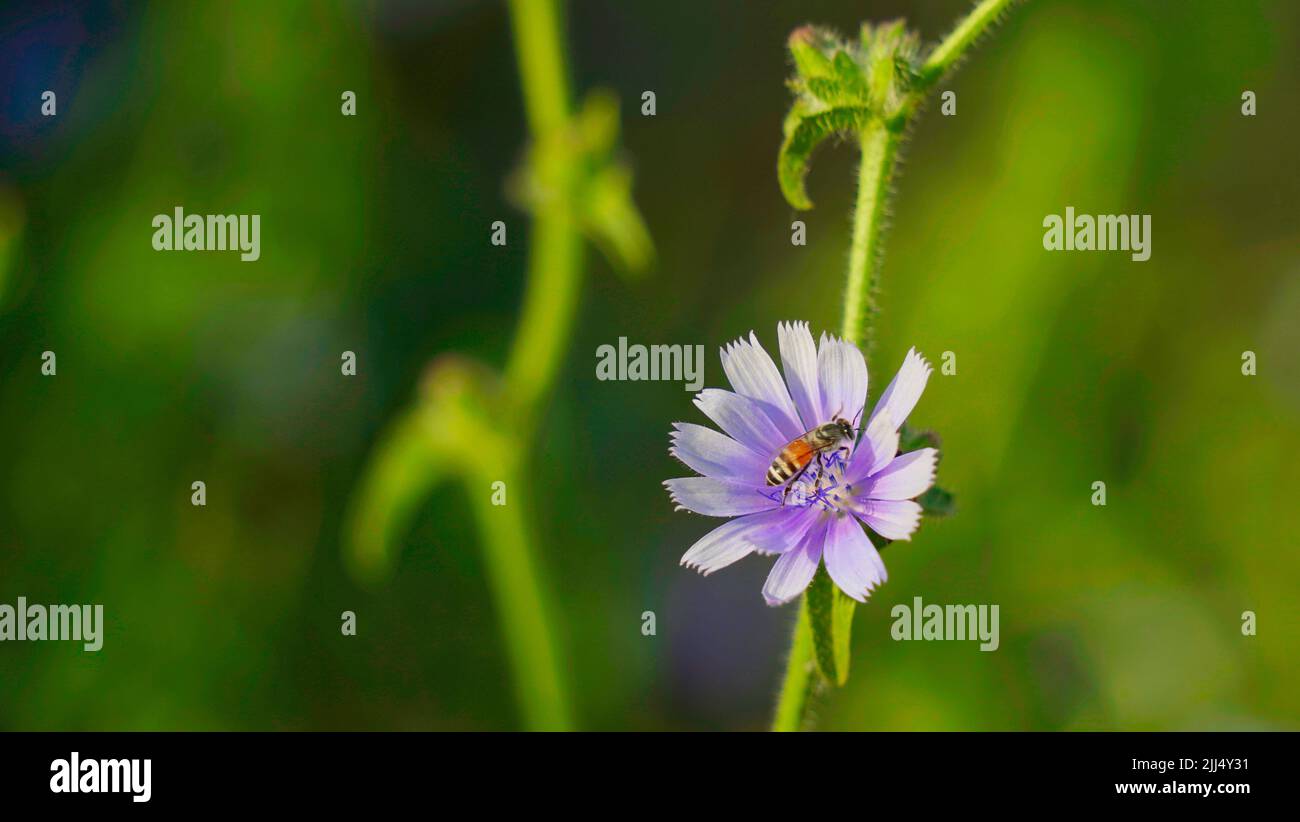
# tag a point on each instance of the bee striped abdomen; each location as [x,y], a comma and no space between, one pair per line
[789,462]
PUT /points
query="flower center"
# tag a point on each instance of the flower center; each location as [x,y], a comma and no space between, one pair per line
[822,484]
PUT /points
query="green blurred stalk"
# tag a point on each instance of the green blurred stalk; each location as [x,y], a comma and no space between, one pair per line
[550,301]
[463,405]
[555,256]
[521,600]
[542,70]
[555,246]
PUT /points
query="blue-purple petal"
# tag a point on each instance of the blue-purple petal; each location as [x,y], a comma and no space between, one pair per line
[752,374]
[851,559]
[739,538]
[842,377]
[787,530]
[875,450]
[799,361]
[892,519]
[742,419]
[718,498]
[903,392]
[795,568]
[716,455]
[906,477]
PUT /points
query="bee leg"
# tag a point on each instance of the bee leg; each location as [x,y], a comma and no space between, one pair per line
[821,472]
[790,483]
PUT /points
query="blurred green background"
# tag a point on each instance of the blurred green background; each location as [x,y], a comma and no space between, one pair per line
[1072,367]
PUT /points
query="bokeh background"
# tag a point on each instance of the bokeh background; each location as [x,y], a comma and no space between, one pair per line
[1072,367]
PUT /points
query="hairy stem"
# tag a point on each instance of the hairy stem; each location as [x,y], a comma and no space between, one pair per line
[879,151]
[951,49]
[796,688]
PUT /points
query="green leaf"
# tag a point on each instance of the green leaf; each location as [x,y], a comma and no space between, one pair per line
[576,171]
[808,46]
[612,223]
[912,439]
[937,502]
[402,471]
[422,447]
[850,77]
[843,619]
[830,614]
[826,90]
[803,135]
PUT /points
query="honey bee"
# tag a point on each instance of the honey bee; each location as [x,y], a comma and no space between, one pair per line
[793,459]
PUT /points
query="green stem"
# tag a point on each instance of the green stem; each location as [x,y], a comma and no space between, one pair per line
[521,602]
[555,257]
[542,70]
[462,404]
[550,300]
[951,49]
[879,151]
[555,247]
[796,688]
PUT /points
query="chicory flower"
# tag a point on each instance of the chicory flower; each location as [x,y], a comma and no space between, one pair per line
[861,481]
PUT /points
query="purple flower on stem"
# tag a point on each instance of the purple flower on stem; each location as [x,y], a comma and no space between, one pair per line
[862,480]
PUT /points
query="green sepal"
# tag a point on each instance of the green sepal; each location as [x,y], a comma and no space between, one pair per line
[830,613]
[935,502]
[840,88]
[912,439]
